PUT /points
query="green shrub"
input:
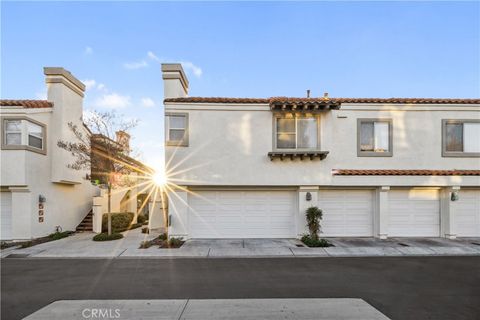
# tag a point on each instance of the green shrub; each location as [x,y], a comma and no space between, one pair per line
[313,215]
[120,221]
[163,236]
[315,242]
[59,235]
[27,244]
[175,242]
[106,237]
[141,218]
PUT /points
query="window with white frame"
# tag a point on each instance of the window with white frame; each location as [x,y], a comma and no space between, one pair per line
[23,134]
[461,138]
[374,137]
[294,132]
[176,129]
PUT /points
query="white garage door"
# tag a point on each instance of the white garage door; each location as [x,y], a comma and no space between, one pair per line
[241,214]
[6,215]
[346,213]
[467,214]
[414,213]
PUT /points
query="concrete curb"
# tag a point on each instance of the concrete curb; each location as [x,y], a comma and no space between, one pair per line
[212,309]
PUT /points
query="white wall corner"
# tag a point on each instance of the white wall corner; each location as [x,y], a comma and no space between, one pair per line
[447,213]
[380,223]
[97,214]
[303,205]
[178,213]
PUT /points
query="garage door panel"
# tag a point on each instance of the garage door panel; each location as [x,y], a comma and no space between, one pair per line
[358,219]
[239,214]
[467,214]
[346,212]
[256,220]
[6,215]
[430,219]
[414,213]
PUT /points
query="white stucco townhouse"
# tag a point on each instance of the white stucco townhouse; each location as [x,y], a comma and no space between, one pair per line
[248,167]
[38,190]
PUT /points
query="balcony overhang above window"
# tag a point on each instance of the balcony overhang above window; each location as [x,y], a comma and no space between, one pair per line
[303,105]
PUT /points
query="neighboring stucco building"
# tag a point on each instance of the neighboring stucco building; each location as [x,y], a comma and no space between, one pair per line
[249,167]
[38,190]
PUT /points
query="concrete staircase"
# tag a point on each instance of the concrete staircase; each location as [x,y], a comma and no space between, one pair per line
[87,223]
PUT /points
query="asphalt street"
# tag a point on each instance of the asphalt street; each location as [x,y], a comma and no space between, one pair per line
[400,287]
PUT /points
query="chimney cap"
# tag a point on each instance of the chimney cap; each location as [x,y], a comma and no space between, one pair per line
[122,133]
[61,72]
[174,71]
[308,93]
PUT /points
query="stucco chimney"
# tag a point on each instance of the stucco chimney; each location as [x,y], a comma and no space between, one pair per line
[123,139]
[175,82]
[66,92]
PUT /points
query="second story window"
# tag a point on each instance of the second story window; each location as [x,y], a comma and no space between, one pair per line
[23,134]
[461,138]
[13,132]
[374,138]
[176,129]
[296,133]
[35,135]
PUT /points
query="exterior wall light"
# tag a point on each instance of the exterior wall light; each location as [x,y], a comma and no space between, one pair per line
[308,196]
[454,196]
[42,199]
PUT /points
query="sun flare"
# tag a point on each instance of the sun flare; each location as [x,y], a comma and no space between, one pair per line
[159,178]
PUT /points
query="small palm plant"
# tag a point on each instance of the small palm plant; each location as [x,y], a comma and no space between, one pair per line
[314,215]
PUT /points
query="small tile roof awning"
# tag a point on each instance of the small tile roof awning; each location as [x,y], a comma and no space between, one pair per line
[29,104]
[321,100]
[354,172]
[302,155]
[284,104]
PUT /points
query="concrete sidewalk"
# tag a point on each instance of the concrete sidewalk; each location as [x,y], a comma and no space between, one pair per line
[81,246]
[229,309]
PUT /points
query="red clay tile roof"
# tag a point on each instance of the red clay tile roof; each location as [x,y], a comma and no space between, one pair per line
[292,100]
[27,103]
[350,172]
[218,100]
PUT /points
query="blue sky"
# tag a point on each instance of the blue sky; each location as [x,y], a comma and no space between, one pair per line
[248,49]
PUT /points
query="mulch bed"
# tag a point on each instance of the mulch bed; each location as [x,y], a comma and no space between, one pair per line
[162,244]
[34,242]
